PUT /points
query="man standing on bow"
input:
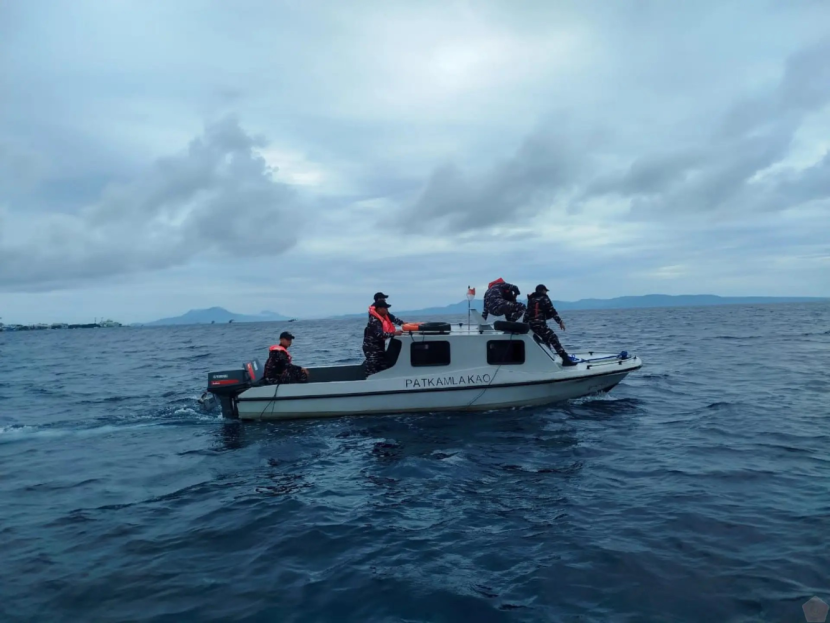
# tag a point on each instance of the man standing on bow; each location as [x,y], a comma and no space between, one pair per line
[540,309]
[500,300]
[380,296]
[380,328]
[278,369]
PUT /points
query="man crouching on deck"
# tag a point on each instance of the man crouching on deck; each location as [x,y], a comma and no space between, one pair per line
[500,300]
[278,369]
[379,328]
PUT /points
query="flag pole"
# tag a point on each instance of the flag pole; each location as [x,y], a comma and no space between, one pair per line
[469,322]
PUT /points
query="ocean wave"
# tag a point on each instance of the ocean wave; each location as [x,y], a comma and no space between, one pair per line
[693,486]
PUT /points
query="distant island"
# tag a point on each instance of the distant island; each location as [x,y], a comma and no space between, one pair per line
[217,315]
[622,302]
[98,324]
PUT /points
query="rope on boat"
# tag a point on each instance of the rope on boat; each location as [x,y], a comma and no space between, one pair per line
[270,402]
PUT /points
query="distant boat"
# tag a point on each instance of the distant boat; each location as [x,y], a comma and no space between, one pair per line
[109,323]
[230,321]
[292,320]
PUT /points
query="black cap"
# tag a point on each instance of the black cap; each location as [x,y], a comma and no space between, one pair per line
[381,295]
[541,288]
[285,335]
[382,304]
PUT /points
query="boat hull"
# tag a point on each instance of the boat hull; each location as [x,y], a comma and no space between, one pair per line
[279,406]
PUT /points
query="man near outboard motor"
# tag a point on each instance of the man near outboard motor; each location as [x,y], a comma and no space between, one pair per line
[379,328]
[278,369]
[540,309]
[380,296]
[500,300]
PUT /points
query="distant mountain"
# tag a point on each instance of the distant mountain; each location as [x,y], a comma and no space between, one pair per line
[682,300]
[218,315]
[622,302]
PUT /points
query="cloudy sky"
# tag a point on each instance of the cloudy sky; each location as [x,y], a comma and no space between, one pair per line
[297,156]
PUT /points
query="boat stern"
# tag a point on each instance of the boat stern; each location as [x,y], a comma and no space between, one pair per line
[227,385]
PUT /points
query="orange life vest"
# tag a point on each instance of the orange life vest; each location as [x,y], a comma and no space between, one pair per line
[283,349]
[388,326]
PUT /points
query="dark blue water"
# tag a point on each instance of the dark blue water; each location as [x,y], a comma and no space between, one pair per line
[698,490]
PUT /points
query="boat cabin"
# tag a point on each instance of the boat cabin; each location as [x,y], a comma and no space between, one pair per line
[453,347]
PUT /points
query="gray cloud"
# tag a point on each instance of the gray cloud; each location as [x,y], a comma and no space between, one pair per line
[20,169]
[216,199]
[546,165]
[610,149]
[717,171]
[706,169]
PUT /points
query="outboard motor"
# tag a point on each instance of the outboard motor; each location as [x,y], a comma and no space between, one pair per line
[228,384]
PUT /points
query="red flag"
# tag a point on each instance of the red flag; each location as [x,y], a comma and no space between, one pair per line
[471,293]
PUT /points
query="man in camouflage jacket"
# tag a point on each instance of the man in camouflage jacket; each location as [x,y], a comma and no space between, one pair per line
[278,369]
[540,309]
[500,300]
[380,296]
[374,339]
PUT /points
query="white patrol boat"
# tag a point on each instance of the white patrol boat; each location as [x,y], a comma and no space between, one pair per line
[432,367]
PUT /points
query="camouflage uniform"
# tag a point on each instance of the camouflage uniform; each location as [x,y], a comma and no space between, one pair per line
[280,371]
[374,346]
[539,310]
[500,300]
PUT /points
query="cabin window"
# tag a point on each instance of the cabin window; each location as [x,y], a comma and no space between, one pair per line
[431,353]
[505,352]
